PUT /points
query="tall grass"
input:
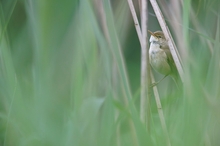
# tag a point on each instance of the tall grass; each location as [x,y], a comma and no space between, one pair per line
[70,75]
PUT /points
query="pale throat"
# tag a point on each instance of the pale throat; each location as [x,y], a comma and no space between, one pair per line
[154,40]
[154,47]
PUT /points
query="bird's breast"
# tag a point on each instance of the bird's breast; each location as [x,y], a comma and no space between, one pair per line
[156,52]
[158,59]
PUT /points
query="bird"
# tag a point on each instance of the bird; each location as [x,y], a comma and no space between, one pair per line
[160,57]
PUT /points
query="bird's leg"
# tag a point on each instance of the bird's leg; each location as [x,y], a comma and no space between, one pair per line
[154,84]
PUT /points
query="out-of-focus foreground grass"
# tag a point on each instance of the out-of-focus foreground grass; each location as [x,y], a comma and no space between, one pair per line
[69,75]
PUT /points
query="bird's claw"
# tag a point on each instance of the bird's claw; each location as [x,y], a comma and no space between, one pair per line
[153,84]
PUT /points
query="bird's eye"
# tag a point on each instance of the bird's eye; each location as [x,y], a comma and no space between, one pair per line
[159,36]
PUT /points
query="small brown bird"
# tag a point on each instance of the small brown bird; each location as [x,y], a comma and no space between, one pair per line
[160,57]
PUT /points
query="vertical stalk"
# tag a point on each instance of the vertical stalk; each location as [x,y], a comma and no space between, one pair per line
[160,112]
[145,76]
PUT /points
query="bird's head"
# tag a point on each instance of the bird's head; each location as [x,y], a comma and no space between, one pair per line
[157,37]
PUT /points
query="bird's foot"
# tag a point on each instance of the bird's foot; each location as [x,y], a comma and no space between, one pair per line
[153,84]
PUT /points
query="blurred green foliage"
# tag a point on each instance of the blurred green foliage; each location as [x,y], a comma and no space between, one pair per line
[70,75]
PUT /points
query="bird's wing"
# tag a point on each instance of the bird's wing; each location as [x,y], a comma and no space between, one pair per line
[170,61]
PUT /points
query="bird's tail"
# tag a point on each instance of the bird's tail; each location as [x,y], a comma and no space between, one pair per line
[175,76]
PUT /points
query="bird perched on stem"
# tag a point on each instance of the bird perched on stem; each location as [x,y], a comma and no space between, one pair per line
[160,57]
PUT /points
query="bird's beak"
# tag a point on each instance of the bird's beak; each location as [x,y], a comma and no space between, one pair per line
[151,33]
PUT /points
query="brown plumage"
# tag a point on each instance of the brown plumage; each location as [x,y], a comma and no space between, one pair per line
[160,56]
